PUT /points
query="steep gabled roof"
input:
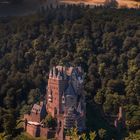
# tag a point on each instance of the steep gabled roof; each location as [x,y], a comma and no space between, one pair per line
[37,108]
[70,90]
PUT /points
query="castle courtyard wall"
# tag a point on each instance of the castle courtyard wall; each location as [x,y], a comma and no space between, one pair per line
[33,130]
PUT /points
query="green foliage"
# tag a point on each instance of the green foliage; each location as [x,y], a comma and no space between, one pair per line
[102,134]
[73,133]
[133,136]
[8,121]
[49,121]
[25,136]
[99,97]
[83,136]
[33,96]
[92,135]
[1,136]
[105,42]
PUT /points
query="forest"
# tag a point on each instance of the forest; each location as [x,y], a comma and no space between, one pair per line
[12,1]
[105,42]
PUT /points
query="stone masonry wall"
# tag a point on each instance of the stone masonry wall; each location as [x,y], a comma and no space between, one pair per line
[32,117]
[33,130]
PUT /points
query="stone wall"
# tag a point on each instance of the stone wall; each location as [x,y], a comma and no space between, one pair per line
[38,131]
[57,87]
[43,132]
[33,130]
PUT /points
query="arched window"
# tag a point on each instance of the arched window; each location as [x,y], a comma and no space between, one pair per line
[55,111]
[60,123]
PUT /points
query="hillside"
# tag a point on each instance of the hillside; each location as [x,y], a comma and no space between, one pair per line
[104,42]
[122,3]
[20,9]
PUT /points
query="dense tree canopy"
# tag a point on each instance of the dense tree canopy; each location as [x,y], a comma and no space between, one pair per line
[105,42]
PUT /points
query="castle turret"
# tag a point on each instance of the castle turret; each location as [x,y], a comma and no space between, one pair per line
[56,84]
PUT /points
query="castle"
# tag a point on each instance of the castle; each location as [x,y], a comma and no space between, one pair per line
[65,101]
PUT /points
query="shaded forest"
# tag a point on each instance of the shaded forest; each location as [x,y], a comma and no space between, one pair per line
[105,42]
[12,1]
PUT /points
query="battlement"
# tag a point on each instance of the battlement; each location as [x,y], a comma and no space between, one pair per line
[63,73]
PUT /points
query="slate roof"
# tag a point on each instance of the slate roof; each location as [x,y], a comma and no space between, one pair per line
[70,90]
[37,108]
